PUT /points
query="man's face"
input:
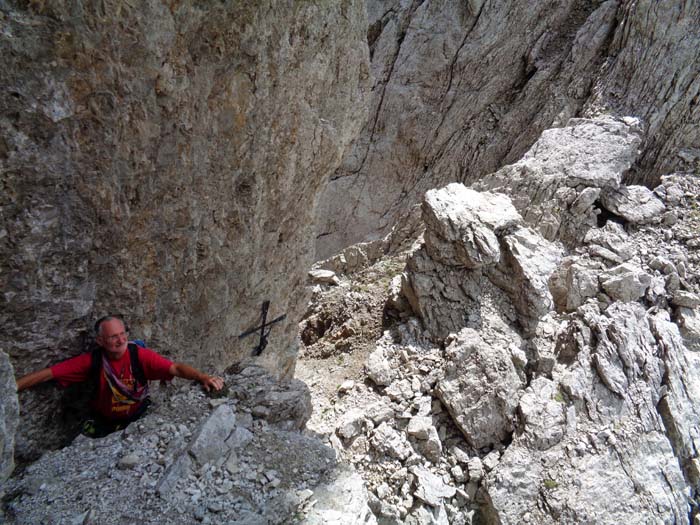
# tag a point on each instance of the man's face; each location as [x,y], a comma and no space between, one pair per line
[113,338]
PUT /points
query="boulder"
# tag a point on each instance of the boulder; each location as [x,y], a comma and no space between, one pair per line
[625,282]
[689,326]
[462,225]
[378,367]
[557,182]
[209,442]
[543,414]
[574,282]
[351,423]
[341,501]
[635,204]
[480,389]
[323,277]
[430,488]
[612,238]
[609,438]
[529,261]
[388,441]
[685,299]
[420,427]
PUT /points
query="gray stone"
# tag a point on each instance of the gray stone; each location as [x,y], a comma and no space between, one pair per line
[287,404]
[530,261]
[378,368]
[689,325]
[555,184]
[351,423]
[480,389]
[432,446]
[542,410]
[9,417]
[491,460]
[209,442]
[239,438]
[613,239]
[630,438]
[341,501]
[180,469]
[636,204]
[346,386]
[388,441]
[462,225]
[476,469]
[574,282]
[625,282]
[685,299]
[323,277]
[430,488]
[129,461]
[379,412]
[420,426]
[400,390]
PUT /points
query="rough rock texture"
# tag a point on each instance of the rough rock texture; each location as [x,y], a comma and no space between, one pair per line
[592,414]
[191,459]
[9,417]
[559,182]
[594,447]
[342,501]
[476,252]
[480,388]
[463,88]
[163,161]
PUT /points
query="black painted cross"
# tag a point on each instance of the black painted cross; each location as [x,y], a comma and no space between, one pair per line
[264,328]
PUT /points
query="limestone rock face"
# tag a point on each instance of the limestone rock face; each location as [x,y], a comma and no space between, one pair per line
[163,162]
[9,417]
[598,441]
[464,88]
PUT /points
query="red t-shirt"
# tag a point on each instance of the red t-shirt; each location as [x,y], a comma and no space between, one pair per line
[107,403]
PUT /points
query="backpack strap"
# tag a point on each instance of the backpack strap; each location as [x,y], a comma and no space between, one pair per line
[95,367]
[136,367]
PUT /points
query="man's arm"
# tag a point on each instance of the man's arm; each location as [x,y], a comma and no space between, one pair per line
[188,372]
[41,376]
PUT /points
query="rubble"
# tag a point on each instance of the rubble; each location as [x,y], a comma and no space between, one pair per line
[579,415]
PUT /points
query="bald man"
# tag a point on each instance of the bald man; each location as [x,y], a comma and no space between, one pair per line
[121,371]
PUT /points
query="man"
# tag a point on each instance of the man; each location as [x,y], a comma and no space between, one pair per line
[120,397]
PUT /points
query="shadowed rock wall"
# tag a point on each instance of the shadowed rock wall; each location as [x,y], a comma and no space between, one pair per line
[462,88]
[162,160]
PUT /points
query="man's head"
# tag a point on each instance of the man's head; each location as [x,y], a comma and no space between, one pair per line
[112,335]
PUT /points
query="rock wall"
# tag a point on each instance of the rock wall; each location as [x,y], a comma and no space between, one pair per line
[163,161]
[9,417]
[462,88]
